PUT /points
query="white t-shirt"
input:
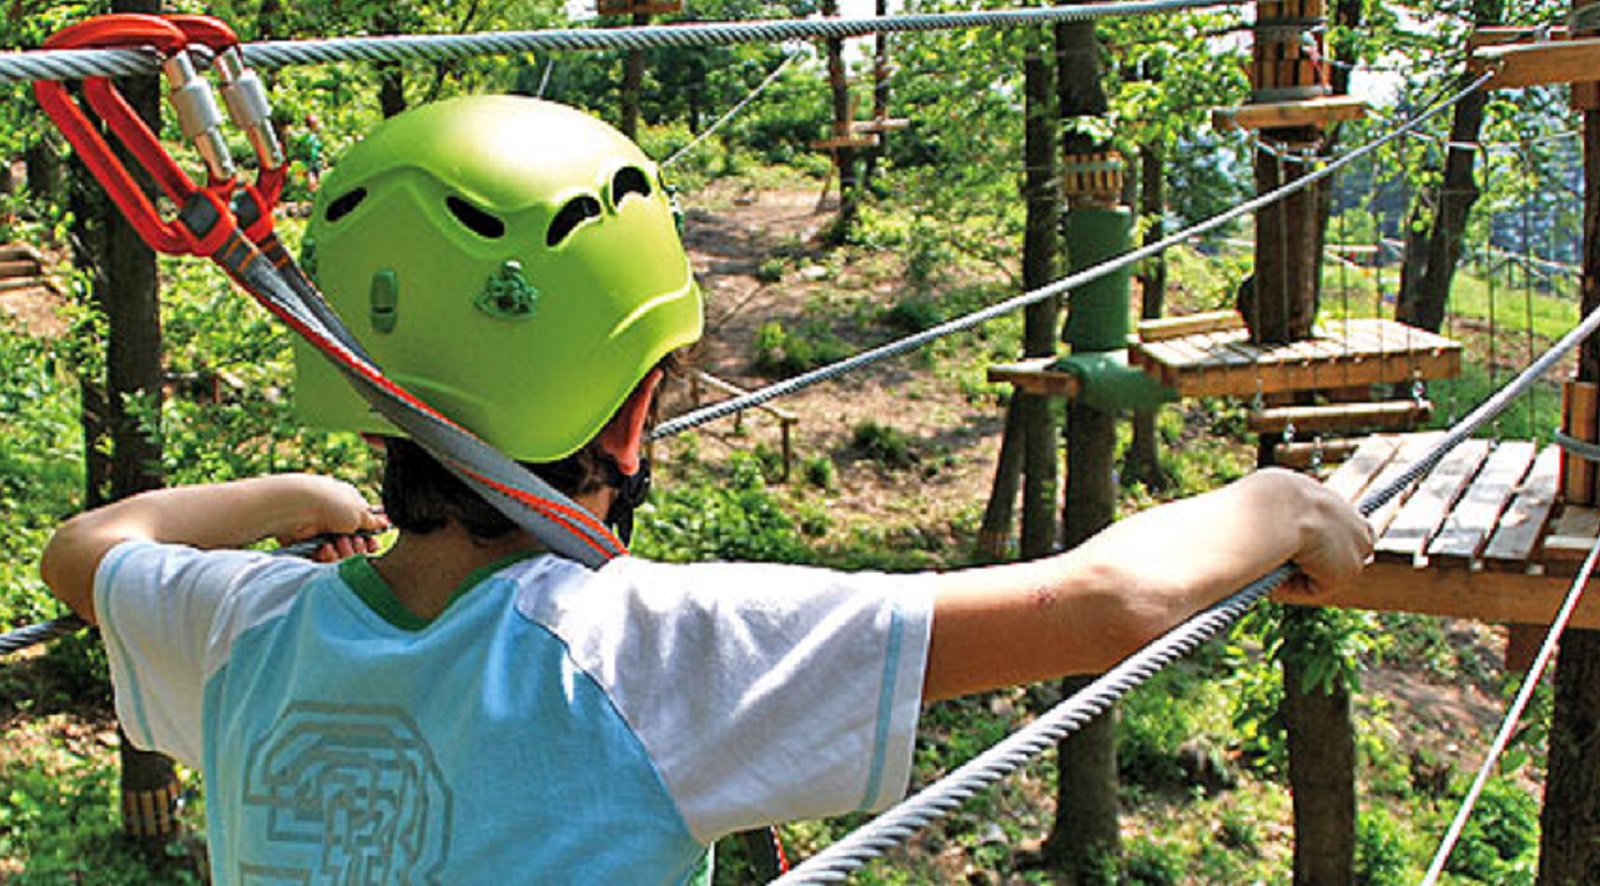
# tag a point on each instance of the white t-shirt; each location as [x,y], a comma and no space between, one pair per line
[552,720]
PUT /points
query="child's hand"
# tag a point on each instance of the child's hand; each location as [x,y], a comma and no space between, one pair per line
[325,506]
[1336,541]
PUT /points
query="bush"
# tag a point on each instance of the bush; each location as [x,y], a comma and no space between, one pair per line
[785,354]
[701,518]
[887,446]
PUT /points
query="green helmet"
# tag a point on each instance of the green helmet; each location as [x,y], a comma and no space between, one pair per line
[514,263]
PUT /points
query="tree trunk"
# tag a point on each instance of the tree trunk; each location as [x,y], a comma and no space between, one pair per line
[1281,306]
[42,160]
[1322,760]
[1083,843]
[1569,848]
[844,158]
[994,535]
[880,96]
[633,83]
[1432,253]
[1039,247]
[125,290]
[1144,454]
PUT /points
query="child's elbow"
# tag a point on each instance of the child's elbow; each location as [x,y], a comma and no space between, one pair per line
[68,571]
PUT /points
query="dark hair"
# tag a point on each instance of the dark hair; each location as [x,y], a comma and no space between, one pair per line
[420,495]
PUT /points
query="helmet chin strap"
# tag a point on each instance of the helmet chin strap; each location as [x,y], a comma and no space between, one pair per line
[631,491]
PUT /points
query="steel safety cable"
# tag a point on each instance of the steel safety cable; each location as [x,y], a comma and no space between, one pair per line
[1063,286]
[1502,739]
[732,112]
[81,63]
[893,827]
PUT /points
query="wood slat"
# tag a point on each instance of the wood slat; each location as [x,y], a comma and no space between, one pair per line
[1355,476]
[1301,456]
[1389,415]
[1035,376]
[1572,536]
[1164,328]
[1516,537]
[1500,597]
[1473,520]
[1537,64]
[1412,448]
[1426,510]
[1280,115]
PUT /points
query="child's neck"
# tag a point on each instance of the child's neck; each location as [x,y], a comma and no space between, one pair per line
[425,571]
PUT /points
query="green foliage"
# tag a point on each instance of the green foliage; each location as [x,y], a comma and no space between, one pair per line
[888,446]
[1500,842]
[1381,851]
[783,353]
[59,819]
[732,517]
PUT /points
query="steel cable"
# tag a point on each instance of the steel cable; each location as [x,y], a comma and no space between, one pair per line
[78,64]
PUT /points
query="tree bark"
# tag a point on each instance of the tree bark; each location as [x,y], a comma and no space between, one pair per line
[125,291]
[1569,848]
[844,158]
[1322,760]
[1281,306]
[1144,454]
[880,96]
[994,535]
[1039,248]
[1083,844]
[633,83]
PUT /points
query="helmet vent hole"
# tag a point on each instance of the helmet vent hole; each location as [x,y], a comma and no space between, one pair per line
[629,180]
[577,211]
[476,220]
[344,204]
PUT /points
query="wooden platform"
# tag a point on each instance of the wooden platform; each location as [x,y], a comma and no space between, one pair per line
[1290,114]
[1342,355]
[1482,536]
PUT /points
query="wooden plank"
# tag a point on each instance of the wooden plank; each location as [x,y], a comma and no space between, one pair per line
[1572,536]
[20,252]
[1285,115]
[1408,534]
[1035,376]
[886,124]
[1389,415]
[1471,523]
[1172,327]
[840,142]
[1516,536]
[1482,595]
[1353,478]
[1579,401]
[1500,35]
[1301,456]
[1538,64]
[1412,448]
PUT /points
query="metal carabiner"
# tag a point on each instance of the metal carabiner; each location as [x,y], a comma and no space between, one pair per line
[140,31]
[246,99]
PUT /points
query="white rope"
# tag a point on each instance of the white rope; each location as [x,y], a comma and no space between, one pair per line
[1508,726]
[732,112]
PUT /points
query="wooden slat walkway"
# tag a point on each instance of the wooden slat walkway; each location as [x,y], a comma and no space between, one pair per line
[1343,354]
[1484,535]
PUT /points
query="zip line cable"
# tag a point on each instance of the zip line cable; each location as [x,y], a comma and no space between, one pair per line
[77,64]
[1064,285]
[893,827]
[1530,682]
[732,112]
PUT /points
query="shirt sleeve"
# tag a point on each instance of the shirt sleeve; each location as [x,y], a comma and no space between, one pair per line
[764,693]
[161,610]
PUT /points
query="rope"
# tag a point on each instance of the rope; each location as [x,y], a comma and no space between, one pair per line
[882,352]
[732,112]
[888,830]
[1508,726]
[81,63]
[44,632]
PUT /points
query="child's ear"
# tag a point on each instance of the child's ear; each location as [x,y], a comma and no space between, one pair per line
[623,437]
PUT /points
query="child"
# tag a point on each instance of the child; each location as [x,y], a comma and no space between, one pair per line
[466,706]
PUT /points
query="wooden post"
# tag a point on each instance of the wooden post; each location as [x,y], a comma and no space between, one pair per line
[1579,402]
[1281,304]
[1569,824]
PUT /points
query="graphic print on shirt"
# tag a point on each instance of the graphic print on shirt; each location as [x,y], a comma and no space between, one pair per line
[355,785]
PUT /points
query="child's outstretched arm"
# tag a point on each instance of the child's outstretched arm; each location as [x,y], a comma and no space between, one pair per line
[288,507]
[1086,609]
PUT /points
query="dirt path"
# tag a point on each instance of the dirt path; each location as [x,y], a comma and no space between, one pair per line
[954,437]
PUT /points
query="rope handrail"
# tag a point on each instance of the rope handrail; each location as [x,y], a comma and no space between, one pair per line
[1062,286]
[80,63]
